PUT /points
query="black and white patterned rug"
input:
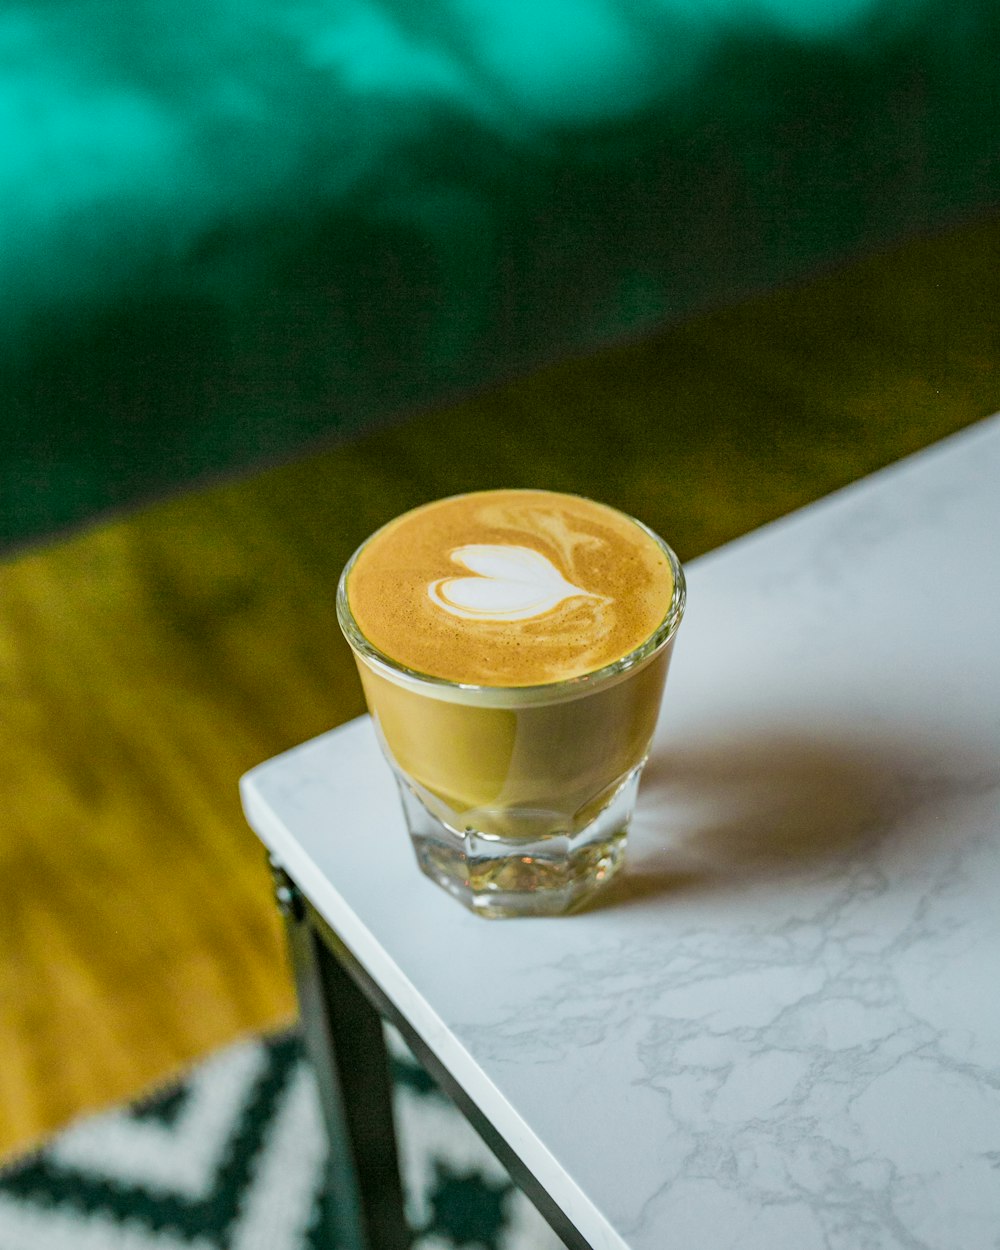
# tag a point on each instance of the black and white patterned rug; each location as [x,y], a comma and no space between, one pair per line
[231,1158]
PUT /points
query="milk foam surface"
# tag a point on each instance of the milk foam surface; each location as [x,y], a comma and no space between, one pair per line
[514,584]
[510,588]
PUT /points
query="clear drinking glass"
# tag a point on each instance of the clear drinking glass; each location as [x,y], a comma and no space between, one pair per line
[518,798]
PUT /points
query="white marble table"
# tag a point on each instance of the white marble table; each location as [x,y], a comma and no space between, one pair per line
[782,1030]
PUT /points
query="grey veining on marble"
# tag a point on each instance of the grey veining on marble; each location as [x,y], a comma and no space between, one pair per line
[782,1029]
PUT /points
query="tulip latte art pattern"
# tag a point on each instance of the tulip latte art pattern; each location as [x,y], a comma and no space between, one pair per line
[512,584]
[510,587]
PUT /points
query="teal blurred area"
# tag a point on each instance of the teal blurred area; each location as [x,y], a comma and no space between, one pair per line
[231,228]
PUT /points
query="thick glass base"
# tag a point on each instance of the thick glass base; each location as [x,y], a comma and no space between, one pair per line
[528,875]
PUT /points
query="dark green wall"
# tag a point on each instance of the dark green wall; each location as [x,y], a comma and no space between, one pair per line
[228,230]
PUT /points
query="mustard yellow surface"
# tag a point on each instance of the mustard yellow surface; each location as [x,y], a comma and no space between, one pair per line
[146,663]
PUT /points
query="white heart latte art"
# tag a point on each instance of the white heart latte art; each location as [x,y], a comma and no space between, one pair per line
[511,584]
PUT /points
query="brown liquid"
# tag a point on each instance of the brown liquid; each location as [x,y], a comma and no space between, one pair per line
[520,771]
[613,587]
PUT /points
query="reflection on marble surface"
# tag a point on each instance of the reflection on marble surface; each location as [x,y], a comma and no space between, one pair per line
[781,1028]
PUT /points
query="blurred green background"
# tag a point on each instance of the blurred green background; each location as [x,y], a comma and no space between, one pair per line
[232,231]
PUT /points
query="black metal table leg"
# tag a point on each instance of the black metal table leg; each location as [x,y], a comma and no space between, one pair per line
[342,1009]
[344,1040]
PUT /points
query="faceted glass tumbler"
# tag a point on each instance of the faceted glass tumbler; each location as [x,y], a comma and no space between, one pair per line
[518,799]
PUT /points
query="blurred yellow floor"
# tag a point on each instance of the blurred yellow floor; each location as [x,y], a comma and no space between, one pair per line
[145,664]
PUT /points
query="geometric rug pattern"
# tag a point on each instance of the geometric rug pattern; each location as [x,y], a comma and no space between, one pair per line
[231,1158]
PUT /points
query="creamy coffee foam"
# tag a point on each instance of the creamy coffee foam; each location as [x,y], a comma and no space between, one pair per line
[510,588]
[514,584]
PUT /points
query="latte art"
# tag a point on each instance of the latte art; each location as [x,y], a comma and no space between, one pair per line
[510,588]
[513,584]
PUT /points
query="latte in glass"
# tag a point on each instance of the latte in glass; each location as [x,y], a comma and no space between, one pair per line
[513,647]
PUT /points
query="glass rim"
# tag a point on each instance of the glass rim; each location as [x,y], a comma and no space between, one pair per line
[563,687]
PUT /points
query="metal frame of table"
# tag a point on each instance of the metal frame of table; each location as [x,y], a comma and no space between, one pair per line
[341,1016]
